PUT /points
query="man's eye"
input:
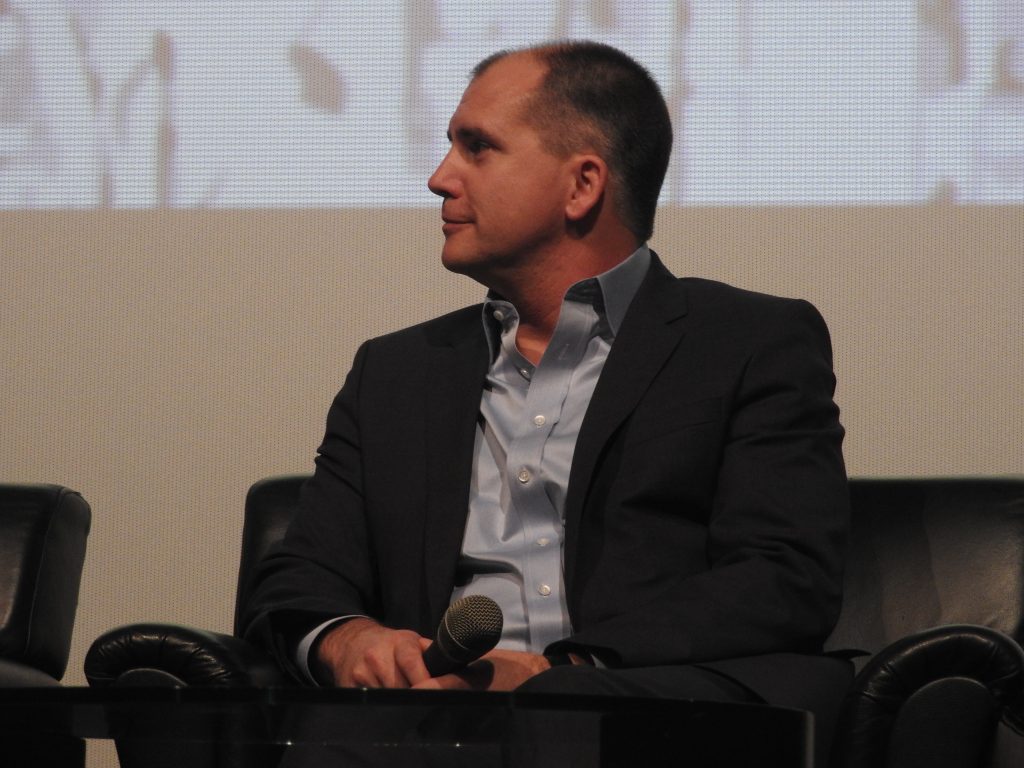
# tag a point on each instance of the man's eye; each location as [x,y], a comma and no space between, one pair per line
[476,146]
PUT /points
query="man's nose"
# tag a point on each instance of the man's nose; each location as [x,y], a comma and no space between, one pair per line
[442,181]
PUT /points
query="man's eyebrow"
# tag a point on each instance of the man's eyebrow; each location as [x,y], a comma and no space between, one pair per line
[469,133]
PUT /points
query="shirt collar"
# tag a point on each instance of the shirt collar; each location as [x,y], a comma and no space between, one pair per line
[619,285]
[610,293]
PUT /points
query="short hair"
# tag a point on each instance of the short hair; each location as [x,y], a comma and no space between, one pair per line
[596,95]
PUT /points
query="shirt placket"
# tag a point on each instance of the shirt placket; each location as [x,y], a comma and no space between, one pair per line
[541,521]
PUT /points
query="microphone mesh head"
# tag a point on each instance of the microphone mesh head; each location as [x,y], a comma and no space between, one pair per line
[474,624]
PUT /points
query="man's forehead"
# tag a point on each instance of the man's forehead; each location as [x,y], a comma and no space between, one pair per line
[501,91]
[512,77]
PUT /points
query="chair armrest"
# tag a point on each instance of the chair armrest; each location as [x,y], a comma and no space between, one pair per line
[173,655]
[941,671]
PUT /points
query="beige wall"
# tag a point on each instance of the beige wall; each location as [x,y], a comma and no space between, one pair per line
[161,361]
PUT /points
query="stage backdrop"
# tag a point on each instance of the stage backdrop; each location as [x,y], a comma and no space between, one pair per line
[206,207]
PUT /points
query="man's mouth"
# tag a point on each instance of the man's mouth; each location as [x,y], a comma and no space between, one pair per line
[451,224]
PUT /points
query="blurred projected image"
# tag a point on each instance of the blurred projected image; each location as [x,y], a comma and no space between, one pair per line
[229,103]
[970,80]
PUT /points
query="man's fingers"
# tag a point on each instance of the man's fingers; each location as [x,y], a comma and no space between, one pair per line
[395,661]
[364,654]
[476,677]
[409,660]
[381,666]
[362,676]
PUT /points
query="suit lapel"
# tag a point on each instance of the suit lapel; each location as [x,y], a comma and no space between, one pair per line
[454,378]
[651,330]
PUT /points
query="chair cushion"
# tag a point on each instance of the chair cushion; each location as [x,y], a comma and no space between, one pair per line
[15,675]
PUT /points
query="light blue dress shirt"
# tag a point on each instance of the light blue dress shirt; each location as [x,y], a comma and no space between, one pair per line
[530,417]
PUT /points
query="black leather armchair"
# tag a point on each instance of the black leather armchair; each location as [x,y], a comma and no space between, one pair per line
[43,531]
[174,655]
[934,605]
[934,592]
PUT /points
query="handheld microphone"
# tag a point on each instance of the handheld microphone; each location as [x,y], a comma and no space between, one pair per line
[470,628]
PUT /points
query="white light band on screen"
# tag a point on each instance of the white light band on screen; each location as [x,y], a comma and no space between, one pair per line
[241,104]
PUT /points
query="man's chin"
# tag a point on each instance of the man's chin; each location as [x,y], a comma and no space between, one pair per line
[473,267]
[459,262]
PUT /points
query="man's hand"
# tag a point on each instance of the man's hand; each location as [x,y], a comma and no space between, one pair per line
[362,653]
[495,671]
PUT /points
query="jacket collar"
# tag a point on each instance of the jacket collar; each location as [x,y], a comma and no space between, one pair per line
[651,330]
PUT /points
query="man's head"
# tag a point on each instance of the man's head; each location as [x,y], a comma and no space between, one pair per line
[557,157]
[596,96]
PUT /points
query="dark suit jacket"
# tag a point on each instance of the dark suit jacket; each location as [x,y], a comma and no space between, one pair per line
[707,506]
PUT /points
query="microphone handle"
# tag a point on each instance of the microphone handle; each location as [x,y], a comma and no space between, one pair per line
[438,662]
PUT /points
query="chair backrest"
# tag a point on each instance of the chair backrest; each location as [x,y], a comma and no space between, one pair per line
[43,531]
[927,552]
[269,507]
[923,552]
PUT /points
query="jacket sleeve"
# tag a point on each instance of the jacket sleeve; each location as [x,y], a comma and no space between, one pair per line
[323,568]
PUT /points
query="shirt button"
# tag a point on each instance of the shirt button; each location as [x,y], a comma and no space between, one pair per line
[523,476]
[543,541]
[539,420]
[525,373]
[499,315]
[544,589]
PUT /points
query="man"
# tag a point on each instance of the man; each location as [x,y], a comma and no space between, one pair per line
[644,472]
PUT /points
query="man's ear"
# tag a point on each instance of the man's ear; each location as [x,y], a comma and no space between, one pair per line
[589,182]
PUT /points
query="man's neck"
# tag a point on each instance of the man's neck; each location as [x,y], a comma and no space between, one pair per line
[538,300]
